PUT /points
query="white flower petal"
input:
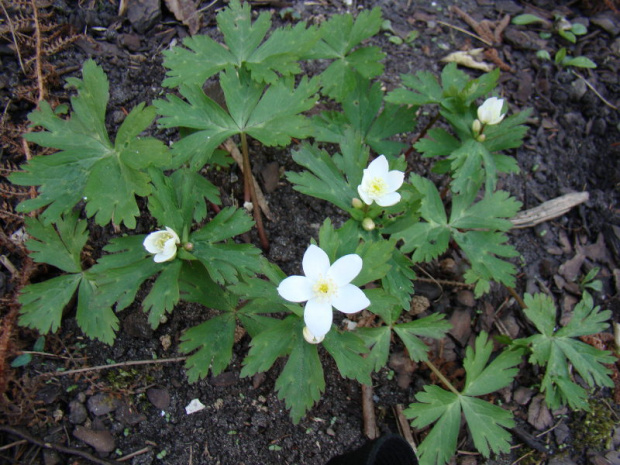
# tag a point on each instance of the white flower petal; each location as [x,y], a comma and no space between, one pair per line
[315,262]
[318,317]
[490,112]
[395,179]
[389,199]
[151,241]
[378,167]
[350,299]
[174,235]
[295,289]
[345,269]
[363,192]
[164,257]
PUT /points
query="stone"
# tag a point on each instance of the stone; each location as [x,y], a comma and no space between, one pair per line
[102,441]
[143,14]
[102,403]
[160,398]
[77,413]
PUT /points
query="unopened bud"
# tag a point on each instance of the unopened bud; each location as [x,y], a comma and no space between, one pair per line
[476,126]
[481,138]
[188,246]
[368,224]
[357,203]
[311,338]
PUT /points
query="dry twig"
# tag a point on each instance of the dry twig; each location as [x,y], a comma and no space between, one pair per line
[549,210]
[57,447]
[368,412]
[115,365]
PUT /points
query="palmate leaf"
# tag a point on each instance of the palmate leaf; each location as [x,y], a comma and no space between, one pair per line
[88,166]
[270,114]
[43,303]
[119,275]
[398,282]
[347,349]
[483,249]
[436,404]
[179,199]
[558,349]
[483,377]
[455,92]
[164,294]
[362,113]
[429,239]
[340,35]
[226,262]
[213,341]
[96,322]
[196,285]
[323,179]
[433,326]
[301,382]
[269,345]
[476,227]
[245,45]
[485,421]
[378,340]
[59,245]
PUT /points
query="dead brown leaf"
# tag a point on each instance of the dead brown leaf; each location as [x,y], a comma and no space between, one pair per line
[186,11]
[538,415]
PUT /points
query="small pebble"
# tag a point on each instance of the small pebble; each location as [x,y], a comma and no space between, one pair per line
[102,441]
[77,412]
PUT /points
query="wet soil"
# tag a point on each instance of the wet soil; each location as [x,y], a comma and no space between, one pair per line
[573,146]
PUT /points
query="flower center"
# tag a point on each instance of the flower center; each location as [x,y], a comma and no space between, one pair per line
[377,187]
[324,289]
[160,242]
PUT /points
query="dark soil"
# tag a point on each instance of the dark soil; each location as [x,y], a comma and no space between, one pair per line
[573,145]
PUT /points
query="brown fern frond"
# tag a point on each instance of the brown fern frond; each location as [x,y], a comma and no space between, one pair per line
[8,167]
[18,24]
[7,212]
[12,191]
[59,44]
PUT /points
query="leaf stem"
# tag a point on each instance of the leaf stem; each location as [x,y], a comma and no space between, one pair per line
[517,297]
[249,186]
[441,377]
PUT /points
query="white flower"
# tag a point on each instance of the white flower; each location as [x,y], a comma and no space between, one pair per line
[490,112]
[324,286]
[163,244]
[379,184]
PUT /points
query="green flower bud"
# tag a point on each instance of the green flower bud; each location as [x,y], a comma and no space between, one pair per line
[368,224]
[357,203]
[476,126]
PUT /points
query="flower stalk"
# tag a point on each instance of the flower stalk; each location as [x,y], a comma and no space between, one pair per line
[249,187]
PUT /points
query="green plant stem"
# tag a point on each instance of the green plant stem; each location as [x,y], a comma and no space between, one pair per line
[441,377]
[249,185]
[517,297]
[422,133]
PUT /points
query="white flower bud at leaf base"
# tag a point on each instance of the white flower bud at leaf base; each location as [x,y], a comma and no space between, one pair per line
[476,126]
[324,286]
[490,112]
[379,184]
[311,338]
[368,224]
[163,244]
[357,203]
